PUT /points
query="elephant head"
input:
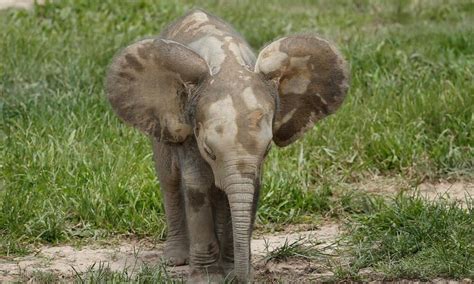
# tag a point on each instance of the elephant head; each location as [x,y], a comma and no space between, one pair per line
[168,91]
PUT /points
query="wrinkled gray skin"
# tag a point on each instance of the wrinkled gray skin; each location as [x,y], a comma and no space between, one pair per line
[212,110]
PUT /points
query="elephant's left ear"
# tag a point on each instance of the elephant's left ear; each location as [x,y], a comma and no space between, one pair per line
[312,80]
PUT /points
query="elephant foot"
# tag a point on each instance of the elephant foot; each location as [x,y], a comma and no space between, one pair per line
[209,274]
[228,268]
[176,253]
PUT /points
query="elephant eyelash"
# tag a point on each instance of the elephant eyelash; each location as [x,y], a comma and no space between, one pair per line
[209,152]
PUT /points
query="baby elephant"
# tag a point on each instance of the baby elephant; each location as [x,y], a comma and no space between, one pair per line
[212,110]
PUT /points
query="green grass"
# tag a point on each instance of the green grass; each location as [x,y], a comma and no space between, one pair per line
[69,170]
[301,249]
[101,273]
[416,239]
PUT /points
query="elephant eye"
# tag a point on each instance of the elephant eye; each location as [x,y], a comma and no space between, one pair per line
[209,152]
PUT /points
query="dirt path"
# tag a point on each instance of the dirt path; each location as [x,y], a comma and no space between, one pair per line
[23,4]
[457,191]
[66,261]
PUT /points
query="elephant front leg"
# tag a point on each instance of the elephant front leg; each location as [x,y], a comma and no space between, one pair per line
[176,250]
[204,247]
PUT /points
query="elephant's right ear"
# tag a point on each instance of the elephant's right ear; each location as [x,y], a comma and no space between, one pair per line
[147,85]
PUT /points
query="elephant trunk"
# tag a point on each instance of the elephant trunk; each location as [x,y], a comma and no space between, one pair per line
[241,193]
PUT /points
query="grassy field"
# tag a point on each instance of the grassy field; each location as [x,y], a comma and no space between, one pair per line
[70,171]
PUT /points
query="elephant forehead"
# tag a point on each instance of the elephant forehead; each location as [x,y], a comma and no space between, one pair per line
[222,116]
[223,108]
[242,119]
[236,106]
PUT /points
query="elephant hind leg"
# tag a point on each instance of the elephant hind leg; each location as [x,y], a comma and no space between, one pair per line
[176,249]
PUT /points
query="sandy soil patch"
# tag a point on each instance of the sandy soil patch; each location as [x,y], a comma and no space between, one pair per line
[457,191]
[129,255]
[65,261]
[22,4]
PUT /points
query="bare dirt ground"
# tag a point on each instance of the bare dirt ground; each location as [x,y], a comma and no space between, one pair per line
[66,261]
[457,191]
[23,4]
